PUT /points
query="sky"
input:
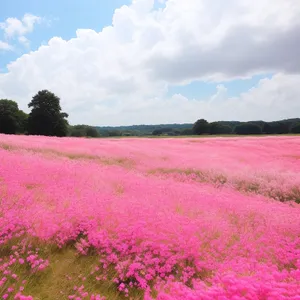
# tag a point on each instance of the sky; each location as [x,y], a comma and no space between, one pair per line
[132,62]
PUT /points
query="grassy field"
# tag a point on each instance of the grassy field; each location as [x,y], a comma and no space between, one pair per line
[150,218]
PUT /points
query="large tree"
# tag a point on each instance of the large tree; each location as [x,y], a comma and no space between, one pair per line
[12,120]
[46,117]
[201,127]
[218,128]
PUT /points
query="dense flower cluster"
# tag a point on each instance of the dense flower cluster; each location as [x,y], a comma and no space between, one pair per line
[165,219]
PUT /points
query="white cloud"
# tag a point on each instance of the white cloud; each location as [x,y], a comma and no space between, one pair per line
[24,40]
[14,27]
[121,74]
[5,46]
[272,99]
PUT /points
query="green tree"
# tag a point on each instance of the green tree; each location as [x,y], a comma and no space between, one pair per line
[84,131]
[187,131]
[78,131]
[12,120]
[201,127]
[248,128]
[92,132]
[114,132]
[267,128]
[22,121]
[46,117]
[217,128]
[157,132]
[295,128]
[278,127]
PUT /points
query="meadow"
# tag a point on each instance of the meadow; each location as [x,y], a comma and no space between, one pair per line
[190,218]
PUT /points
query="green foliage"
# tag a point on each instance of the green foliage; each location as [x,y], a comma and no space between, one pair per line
[171,131]
[267,128]
[22,121]
[46,117]
[295,128]
[92,132]
[201,127]
[83,131]
[157,132]
[127,133]
[187,131]
[218,128]
[12,120]
[160,131]
[141,130]
[114,133]
[8,116]
[248,128]
[279,127]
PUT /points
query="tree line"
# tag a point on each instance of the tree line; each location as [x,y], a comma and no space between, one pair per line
[46,118]
[202,126]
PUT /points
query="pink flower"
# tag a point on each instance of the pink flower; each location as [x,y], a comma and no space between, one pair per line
[21,261]
[165,214]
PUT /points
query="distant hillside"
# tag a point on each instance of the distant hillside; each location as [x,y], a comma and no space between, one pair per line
[282,126]
[146,127]
[139,130]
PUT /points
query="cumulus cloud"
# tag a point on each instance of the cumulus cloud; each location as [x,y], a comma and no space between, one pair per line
[121,75]
[5,46]
[271,99]
[221,40]
[15,28]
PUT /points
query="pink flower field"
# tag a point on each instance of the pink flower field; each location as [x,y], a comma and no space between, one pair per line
[175,218]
